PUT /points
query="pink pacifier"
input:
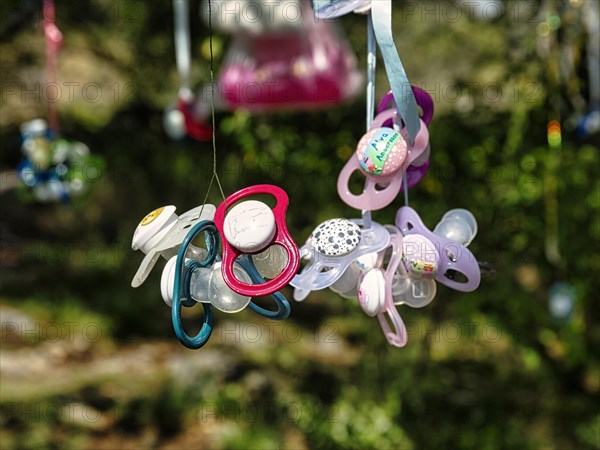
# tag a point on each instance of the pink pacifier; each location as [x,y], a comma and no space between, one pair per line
[455,266]
[375,294]
[251,227]
[379,155]
[382,155]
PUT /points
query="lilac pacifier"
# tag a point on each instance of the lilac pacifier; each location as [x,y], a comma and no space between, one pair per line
[455,266]
[418,165]
[331,248]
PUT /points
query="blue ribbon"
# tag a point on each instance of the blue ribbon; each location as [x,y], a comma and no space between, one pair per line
[381,15]
[381,12]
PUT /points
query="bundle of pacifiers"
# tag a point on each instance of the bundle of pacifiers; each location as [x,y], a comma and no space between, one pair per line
[381,266]
[53,168]
[255,245]
[384,266]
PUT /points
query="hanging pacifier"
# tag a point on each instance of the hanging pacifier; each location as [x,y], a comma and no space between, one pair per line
[186,117]
[161,233]
[382,157]
[375,294]
[455,266]
[331,249]
[251,227]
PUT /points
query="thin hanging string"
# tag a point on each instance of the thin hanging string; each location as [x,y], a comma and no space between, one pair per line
[53,38]
[405,183]
[215,176]
[371,68]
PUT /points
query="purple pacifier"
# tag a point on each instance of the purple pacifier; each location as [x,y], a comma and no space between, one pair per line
[457,267]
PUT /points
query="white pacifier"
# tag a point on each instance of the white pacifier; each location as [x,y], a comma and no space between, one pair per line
[347,285]
[371,294]
[161,233]
[331,248]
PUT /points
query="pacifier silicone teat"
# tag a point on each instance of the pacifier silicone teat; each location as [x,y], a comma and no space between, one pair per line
[457,267]
[251,227]
[206,285]
[331,248]
[458,225]
[347,284]
[161,233]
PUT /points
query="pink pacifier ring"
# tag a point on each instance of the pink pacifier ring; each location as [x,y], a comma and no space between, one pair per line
[371,198]
[282,238]
[399,337]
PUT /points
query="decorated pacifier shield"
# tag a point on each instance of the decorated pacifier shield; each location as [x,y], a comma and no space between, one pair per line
[420,255]
[336,237]
[381,151]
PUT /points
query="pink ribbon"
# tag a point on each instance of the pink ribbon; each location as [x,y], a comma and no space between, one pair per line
[53,43]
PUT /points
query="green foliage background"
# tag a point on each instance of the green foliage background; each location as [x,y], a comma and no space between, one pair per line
[490,369]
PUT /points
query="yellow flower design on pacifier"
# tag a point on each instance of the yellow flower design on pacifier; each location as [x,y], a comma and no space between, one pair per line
[151,217]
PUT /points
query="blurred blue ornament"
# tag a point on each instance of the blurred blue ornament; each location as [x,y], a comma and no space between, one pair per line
[561,301]
[52,169]
[589,123]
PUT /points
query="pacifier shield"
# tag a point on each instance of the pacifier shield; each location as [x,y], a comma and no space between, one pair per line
[381,151]
[250,226]
[336,237]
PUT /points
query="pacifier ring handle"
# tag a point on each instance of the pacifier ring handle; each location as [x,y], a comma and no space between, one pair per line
[200,339]
[398,337]
[372,197]
[283,306]
[282,238]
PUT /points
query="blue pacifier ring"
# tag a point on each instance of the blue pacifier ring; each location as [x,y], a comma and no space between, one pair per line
[283,306]
[212,245]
